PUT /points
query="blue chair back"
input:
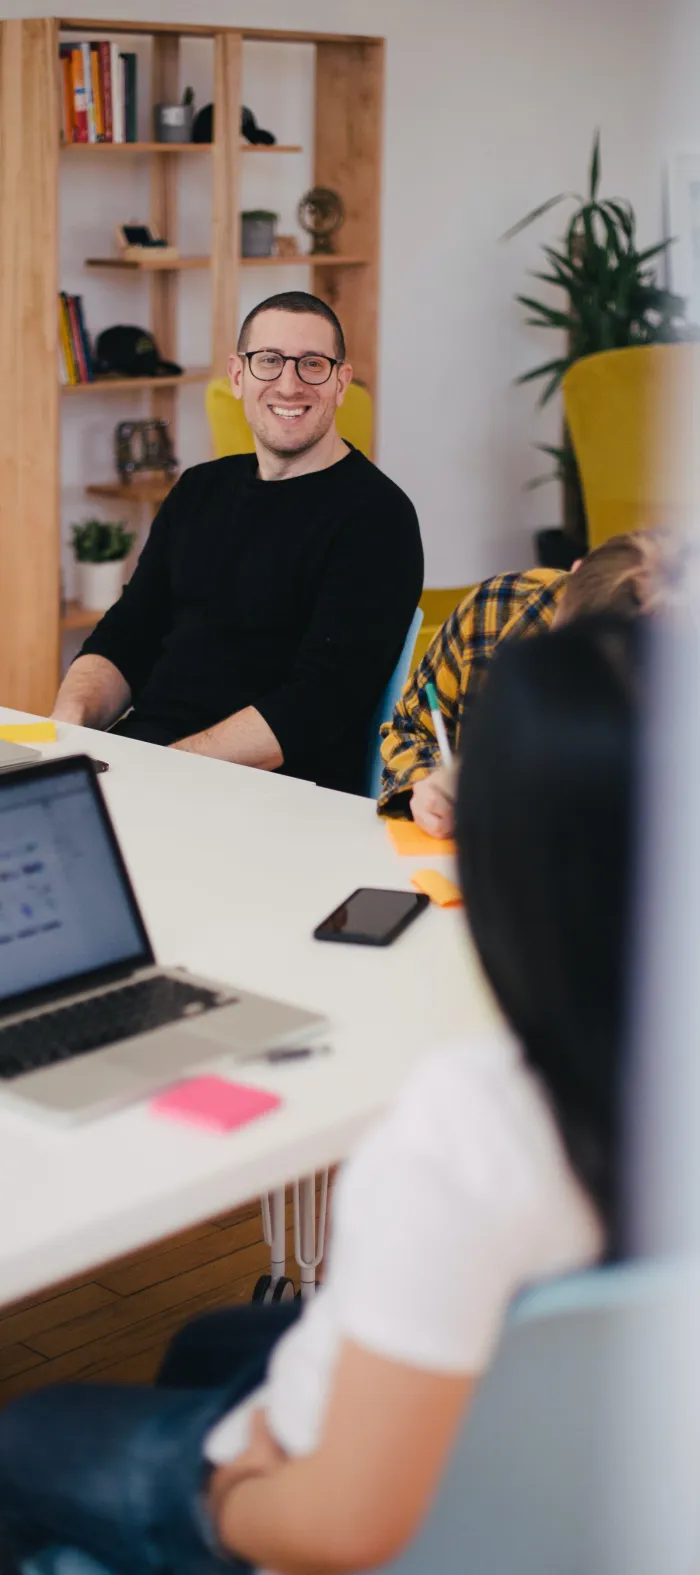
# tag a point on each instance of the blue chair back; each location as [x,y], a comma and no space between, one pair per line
[566,1464]
[385,709]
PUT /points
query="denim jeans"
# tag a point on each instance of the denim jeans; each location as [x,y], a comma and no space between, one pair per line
[117,1471]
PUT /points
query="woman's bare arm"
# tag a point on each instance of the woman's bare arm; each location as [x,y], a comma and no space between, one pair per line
[361,1496]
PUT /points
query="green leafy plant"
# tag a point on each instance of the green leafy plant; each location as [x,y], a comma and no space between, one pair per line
[612,300]
[102,541]
[188,96]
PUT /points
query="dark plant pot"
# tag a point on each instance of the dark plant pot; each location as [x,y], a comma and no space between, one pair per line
[173,122]
[257,237]
[555,550]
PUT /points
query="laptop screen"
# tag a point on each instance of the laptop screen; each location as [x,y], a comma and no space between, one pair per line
[65,903]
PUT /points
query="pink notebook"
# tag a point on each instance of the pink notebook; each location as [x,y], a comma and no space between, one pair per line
[215,1103]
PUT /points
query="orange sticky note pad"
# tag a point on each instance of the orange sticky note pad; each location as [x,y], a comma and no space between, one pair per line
[409,840]
[438,888]
[215,1103]
[28,733]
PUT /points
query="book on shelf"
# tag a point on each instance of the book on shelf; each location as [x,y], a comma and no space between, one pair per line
[99,93]
[74,342]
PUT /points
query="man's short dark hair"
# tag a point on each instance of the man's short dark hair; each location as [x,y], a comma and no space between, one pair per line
[299,302]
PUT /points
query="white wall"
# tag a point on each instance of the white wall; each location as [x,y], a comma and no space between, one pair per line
[490,109]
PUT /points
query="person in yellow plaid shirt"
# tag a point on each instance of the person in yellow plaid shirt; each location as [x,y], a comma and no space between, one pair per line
[614,578]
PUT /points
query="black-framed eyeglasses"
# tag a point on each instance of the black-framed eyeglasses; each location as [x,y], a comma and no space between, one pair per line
[268,365]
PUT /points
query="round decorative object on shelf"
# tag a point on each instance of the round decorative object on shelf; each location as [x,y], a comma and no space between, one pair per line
[320,214]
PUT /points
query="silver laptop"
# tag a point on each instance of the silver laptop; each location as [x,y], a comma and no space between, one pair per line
[88,1022]
[14,755]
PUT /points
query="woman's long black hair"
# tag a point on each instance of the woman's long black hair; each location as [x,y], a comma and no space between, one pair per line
[546,829]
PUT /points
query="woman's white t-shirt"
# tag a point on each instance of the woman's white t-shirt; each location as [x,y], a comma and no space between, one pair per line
[461,1196]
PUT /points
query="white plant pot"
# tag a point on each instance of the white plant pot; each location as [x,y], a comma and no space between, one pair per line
[100,584]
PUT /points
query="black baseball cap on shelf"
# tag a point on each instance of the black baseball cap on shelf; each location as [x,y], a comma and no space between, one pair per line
[132,352]
[203,128]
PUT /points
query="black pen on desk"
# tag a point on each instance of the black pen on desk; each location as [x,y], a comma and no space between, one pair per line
[289,1053]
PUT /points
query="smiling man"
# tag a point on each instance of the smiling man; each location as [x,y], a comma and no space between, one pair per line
[262,622]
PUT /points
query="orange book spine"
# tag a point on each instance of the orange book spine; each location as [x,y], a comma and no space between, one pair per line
[80,117]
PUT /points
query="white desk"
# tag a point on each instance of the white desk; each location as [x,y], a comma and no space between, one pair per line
[233,868]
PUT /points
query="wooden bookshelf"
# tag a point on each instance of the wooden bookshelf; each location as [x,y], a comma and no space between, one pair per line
[348,88]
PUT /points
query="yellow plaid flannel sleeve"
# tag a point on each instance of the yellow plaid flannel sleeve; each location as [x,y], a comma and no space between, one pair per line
[456,663]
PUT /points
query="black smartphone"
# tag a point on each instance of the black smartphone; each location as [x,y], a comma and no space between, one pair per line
[372,916]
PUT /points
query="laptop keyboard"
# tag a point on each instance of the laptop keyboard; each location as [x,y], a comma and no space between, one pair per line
[101,1020]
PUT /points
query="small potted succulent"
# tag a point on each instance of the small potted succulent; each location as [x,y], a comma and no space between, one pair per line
[101,548]
[174,122]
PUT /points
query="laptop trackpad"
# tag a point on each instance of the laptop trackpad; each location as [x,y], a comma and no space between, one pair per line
[162,1055]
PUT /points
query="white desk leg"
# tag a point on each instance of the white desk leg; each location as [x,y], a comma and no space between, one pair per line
[306,1252]
[274,1232]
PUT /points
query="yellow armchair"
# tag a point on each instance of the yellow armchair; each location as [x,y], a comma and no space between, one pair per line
[633,418]
[232,435]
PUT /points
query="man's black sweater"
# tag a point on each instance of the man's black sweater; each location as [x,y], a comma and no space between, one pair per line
[291,596]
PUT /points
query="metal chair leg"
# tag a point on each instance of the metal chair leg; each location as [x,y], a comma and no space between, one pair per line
[307,1252]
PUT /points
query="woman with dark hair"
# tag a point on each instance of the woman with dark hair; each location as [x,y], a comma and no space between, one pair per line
[545,835]
[318,1447]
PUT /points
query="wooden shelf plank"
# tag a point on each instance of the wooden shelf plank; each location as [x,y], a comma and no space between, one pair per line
[271,35]
[174,147]
[76,617]
[120,385]
[304,259]
[88,26]
[173,265]
[135,147]
[153,491]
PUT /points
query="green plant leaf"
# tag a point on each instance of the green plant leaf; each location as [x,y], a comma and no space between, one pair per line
[541,481]
[551,318]
[537,213]
[541,371]
[624,215]
[553,384]
[594,175]
[654,251]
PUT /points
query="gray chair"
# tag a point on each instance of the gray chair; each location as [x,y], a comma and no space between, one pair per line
[571,1460]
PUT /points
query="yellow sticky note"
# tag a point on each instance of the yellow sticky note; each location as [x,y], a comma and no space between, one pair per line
[409,840]
[28,733]
[438,888]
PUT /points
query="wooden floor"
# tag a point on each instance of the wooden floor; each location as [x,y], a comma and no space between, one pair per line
[113,1324]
